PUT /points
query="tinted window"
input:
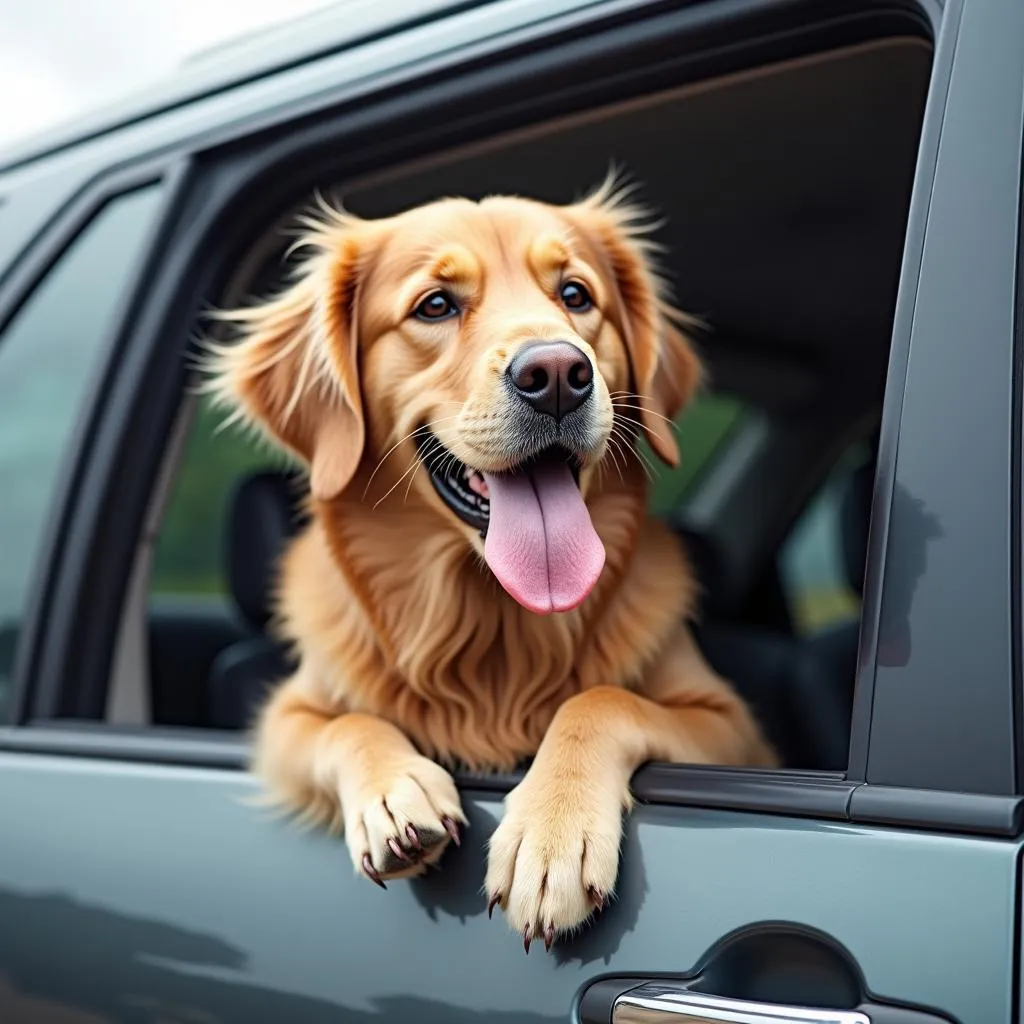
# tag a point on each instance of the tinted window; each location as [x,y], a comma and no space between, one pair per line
[812,563]
[48,356]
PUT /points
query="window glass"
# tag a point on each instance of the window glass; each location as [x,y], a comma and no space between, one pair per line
[812,563]
[48,356]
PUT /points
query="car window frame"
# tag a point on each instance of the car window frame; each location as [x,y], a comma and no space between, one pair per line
[30,271]
[189,271]
[989,74]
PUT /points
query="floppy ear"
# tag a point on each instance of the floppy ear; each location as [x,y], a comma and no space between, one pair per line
[666,371]
[294,373]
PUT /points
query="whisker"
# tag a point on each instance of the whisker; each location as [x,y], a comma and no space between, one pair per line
[632,395]
[642,460]
[438,467]
[412,469]
[437,464]
[622,418]
[632,441]
[633,422]
[440,456]
[643,408]
[400,441]
[408,486]
[646,465]
[613,440]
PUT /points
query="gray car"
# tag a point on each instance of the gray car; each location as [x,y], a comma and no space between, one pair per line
[841,188]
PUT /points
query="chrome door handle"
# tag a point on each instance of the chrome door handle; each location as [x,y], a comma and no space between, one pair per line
[658,1003]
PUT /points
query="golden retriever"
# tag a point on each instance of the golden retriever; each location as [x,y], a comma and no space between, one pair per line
[479,584]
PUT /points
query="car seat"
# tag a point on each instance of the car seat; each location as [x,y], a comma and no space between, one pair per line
[264,513]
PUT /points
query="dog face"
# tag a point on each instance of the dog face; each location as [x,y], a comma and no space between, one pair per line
[507,348]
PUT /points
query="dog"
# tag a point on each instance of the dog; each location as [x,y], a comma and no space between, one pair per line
[466,383]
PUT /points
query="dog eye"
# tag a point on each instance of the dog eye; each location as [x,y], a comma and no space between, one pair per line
[436,306]
[576,297]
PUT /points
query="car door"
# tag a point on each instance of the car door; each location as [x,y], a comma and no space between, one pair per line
[138,880]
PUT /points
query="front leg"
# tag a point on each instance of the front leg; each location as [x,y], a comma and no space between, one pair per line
[398,808]
[554,858]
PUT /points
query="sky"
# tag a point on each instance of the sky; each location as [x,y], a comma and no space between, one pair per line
[59,58]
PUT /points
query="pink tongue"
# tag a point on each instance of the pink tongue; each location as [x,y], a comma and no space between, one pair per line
[540,541]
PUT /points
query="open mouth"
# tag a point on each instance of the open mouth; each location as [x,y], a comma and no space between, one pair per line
[465,490]
[538,538]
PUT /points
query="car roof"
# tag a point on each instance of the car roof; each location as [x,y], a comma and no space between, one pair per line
[338,26]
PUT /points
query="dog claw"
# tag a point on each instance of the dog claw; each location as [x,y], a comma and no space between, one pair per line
[414,837]
[452,829]
[549,937]
[371,872]
[494,901]
[527,938]
[396,849]
[598,898]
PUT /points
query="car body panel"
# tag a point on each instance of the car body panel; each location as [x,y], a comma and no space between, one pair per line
[950,550]
[166,882]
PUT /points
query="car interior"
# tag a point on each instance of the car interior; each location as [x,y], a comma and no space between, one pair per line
[784,192]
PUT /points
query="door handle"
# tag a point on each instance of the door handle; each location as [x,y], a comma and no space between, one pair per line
[773,973]
[660,1003]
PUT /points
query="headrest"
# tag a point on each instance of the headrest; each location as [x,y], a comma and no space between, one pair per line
[265,512]
[854,520]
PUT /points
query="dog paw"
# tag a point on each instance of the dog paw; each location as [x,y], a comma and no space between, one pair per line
[554,858]
[399,822]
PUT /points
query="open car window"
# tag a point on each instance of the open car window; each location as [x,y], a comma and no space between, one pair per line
[190,556]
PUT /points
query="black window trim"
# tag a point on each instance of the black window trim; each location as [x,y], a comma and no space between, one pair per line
[60,529]
[791,794]
[816,794]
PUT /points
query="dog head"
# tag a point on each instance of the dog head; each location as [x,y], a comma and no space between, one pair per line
[506,348]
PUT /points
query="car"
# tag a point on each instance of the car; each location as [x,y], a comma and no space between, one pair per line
[840,186]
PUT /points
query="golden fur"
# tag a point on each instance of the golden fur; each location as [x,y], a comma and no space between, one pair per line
[411,653]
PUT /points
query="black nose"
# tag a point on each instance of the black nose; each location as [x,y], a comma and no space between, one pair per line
[553,376]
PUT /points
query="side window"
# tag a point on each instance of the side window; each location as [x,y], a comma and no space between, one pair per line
[48,357]
[822,561]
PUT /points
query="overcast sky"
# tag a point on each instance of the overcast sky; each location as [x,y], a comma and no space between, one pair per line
[60,57]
